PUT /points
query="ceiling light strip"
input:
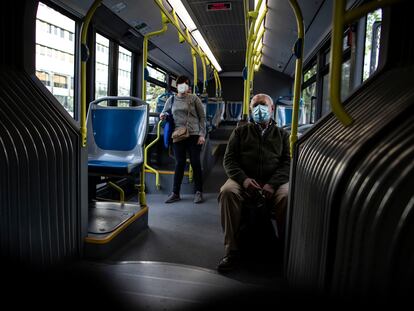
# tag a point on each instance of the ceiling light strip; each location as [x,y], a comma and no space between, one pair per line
[182,13]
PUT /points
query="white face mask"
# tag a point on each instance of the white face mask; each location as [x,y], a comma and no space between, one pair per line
[182,88]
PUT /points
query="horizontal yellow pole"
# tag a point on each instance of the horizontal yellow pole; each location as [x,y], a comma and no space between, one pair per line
[165,172]
[358,12]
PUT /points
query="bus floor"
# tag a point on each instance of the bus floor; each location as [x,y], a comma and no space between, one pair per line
[172,264]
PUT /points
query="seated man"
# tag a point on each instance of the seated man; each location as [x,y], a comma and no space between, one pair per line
[257,158]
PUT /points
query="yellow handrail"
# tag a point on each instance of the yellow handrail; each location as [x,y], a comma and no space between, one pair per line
[84,59]
[119,189]
[219,82]
[341,18]
[298,74]
[216,83]
[193,55]
[250,40]
[174,21]
[358,12]
[203,62]
[145,51]
[146,165]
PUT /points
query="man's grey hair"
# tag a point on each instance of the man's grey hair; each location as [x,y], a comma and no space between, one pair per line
[262,95]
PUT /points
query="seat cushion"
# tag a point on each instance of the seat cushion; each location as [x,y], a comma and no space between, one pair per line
[111,167]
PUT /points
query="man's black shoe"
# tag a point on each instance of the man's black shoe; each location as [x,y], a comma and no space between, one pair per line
[229,262]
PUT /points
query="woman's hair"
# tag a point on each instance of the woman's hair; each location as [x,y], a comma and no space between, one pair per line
[183,79]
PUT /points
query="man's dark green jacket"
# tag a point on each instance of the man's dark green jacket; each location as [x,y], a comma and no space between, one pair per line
[264,158]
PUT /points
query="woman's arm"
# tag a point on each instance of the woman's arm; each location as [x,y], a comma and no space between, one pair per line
[201,116]
[167,106]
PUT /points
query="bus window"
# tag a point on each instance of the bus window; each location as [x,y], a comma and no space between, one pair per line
[372,39]
[156,86]
[345,87]
[101,67]
[308,103]
[124,75]
[55,47]
[309,91]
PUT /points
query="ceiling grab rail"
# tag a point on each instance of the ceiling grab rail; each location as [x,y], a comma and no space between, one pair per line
[147,36]
[298,52]
[174,21]
[247,83]
[340,18]
[256,45]
[84,59]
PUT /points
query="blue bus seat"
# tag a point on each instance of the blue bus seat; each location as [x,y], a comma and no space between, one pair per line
[284,109]
[214,112]
[116,136]
[233,111]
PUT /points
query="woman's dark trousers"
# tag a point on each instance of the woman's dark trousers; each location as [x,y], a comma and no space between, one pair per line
[180,152]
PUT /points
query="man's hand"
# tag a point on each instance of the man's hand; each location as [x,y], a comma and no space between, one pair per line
[201,140]
[251,184]
[268,191]
[162,116]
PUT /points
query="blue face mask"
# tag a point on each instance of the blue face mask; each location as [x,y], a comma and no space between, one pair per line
[260,114]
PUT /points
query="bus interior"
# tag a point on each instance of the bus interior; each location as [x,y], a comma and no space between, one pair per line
[86,163]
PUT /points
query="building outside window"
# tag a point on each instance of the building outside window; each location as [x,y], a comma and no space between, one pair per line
[55,54]
[372,39]
[156,86]
[101,67]
[124,74]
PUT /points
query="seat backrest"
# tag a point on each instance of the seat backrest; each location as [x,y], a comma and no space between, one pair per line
[233,111]
[117,129]
[284,109]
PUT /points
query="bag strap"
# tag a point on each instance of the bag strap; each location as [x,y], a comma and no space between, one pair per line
[189,107]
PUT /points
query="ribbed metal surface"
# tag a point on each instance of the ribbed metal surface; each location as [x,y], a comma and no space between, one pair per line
[331,169]
[39,154]
[39,168]
[351,213]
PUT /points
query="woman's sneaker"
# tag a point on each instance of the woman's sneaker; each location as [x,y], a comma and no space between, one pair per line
[198,197]
[173,198]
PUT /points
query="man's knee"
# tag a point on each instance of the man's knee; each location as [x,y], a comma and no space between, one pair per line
[284,189]
[230,194]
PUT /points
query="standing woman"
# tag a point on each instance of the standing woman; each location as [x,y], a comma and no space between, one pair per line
[187,110]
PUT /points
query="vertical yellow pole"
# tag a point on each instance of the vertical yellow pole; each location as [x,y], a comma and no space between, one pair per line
[194,54]
[204,72]
[141,196]
[336,62]
[298,73]
[84,59]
